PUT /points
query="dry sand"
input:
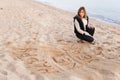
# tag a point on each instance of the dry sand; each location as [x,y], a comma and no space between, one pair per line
[37,42]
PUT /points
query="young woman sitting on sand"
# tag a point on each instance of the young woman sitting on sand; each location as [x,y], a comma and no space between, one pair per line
[81,28]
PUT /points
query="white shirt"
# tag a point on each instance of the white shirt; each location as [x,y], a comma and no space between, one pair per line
[77,25]
[84,23]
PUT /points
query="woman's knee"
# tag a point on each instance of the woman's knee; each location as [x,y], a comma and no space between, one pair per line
[89,39]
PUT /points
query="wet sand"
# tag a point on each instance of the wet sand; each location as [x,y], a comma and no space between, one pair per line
[37,42]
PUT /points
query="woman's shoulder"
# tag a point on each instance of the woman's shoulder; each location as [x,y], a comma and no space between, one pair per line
[87,18]
[75,17]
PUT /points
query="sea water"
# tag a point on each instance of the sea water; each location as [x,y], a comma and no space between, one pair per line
[105,10]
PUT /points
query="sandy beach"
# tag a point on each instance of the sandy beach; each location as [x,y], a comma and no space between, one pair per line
[37,42]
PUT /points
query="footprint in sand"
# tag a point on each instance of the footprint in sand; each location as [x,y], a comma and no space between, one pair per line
[35,59]
[1,8]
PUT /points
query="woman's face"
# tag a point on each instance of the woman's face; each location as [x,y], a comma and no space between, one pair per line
[82,13]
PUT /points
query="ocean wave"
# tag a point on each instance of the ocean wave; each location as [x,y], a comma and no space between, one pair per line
[104,18]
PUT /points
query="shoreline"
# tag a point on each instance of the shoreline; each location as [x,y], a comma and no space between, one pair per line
[38,43]
[99,19]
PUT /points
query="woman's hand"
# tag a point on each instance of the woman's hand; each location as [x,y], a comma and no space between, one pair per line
[90,26]
[86,33]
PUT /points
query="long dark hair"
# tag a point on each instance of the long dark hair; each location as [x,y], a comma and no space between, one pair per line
[79,10]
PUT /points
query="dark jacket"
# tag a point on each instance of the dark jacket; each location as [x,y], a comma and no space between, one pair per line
[81,24]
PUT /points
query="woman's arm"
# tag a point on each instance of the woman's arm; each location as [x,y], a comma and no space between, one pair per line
[78,28]
[89,24]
